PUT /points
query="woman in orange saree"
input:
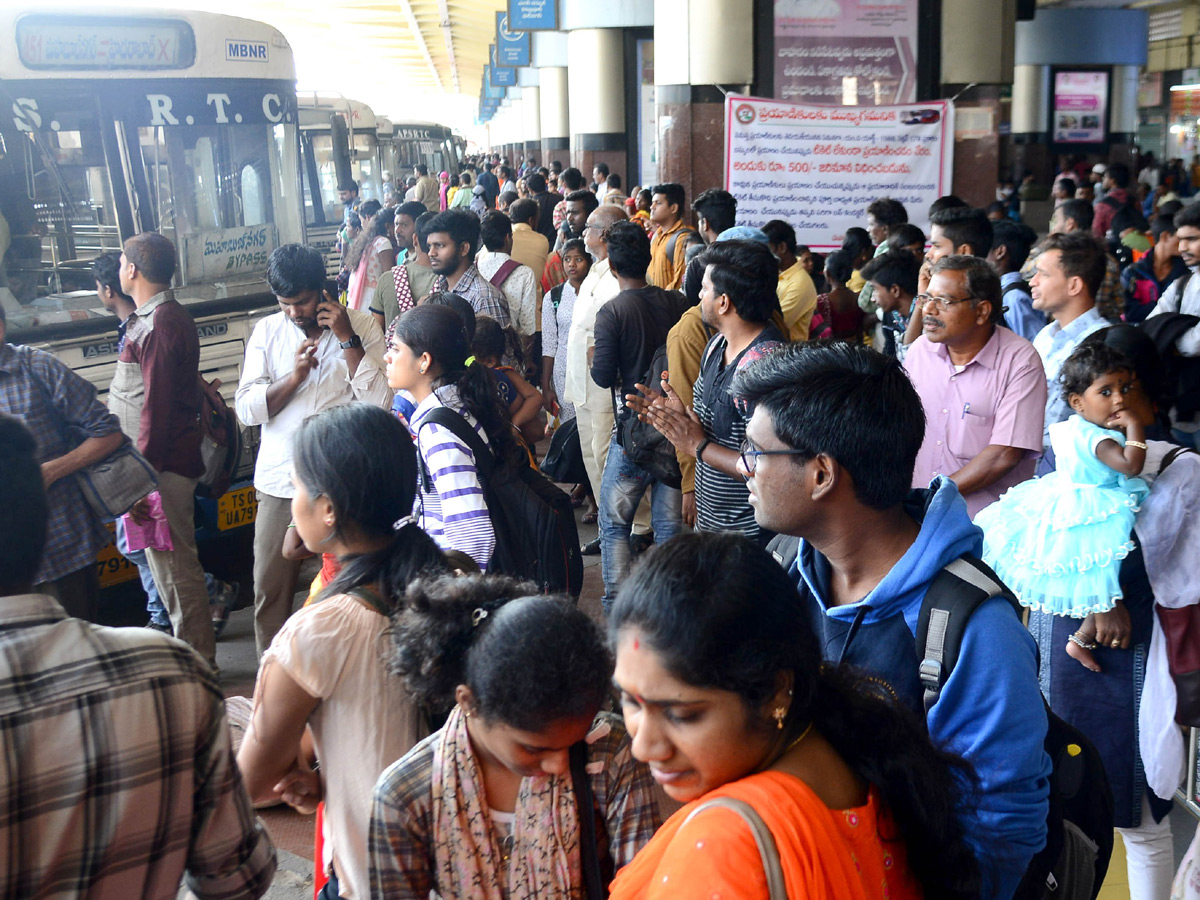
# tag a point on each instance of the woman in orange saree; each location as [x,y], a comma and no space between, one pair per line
[724,695]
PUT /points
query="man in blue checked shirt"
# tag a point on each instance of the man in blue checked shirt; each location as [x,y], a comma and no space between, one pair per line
[59,407]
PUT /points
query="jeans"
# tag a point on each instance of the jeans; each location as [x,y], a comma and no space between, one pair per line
[621,490]
[154,604]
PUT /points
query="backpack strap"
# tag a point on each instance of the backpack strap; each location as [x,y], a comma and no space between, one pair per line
[959,589]
[585,804]
[1019,285]
[784,548]
[1172,456]
[689,233]
[456,424]
[501,274]
[556,293]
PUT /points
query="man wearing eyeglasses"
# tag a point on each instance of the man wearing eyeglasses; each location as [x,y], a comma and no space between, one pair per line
[982,386]
[832,437]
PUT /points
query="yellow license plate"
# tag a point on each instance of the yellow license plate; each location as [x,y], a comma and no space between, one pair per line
[237,508]
[112,567]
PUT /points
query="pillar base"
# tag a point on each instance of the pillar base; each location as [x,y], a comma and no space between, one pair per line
[610,149]
[556,148]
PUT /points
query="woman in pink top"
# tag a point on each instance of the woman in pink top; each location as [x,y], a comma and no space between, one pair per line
[372,253]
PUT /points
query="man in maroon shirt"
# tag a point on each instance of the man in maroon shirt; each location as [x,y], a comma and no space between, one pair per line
[155,394]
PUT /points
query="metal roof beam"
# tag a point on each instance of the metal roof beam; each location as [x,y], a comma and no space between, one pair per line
[448,33]
[406,8]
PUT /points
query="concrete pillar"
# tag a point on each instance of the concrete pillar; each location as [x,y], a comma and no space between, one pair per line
[531,122]
[1030,99]
[1030,120]
[698,45]
[555,119]
[596,99]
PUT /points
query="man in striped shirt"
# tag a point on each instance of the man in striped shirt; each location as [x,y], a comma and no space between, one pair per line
[118,775]
[737,299]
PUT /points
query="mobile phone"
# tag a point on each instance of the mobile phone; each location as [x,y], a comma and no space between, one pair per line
[331,287]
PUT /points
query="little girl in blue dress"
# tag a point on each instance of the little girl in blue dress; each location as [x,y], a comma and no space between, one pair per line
[1058,541]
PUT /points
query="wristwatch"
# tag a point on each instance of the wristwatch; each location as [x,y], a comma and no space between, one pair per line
[355,343]
[700,449]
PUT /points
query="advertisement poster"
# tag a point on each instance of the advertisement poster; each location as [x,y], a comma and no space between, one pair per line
[1080,107]
[848,52]
[818,167]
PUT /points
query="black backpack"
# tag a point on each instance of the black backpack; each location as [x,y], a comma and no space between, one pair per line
[534,522]
[1079,836]
[644,444]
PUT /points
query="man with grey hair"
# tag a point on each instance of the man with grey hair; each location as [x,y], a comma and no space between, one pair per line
[593,404]
[981,385]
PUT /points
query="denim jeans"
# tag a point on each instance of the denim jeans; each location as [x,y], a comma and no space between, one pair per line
[621,490]
[154,605]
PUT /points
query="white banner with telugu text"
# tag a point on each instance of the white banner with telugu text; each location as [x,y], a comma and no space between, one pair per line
[818,167]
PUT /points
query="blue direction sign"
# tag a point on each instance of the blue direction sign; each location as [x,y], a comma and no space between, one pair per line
[512,47]
[533,15]
[501,76]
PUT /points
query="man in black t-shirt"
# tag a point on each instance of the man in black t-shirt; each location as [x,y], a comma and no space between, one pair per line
[737,300]
[630,328]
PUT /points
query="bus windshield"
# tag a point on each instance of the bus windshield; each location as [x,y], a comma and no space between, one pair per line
[225,194]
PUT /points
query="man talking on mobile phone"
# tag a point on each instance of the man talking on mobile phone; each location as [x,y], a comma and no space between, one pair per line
[312,354]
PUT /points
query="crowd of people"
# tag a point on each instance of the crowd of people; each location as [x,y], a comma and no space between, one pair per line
[812,446]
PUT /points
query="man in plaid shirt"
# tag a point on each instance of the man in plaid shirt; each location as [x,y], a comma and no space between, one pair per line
[453,239]
[72,430]
[117,777]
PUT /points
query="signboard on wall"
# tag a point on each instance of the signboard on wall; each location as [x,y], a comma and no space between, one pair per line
[512,47]
[847,52]
[1150,89]
[1080,107]
[500,76]
[533,15]
[817,167]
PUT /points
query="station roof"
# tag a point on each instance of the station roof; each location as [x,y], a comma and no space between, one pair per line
[387,53]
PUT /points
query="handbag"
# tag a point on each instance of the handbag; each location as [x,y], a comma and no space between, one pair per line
[1181,628]
[114,484]
[776,888]
[564,459]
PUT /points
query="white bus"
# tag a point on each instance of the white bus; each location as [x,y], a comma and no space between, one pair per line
[120,122]
[339,144]
[114,122]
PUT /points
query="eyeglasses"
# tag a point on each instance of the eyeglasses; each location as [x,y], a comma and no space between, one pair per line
[749,455]
[942,303]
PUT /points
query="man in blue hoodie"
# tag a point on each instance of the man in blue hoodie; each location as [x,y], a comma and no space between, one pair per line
[829,457]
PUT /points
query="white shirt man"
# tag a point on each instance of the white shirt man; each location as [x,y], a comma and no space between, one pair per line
[311,355]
